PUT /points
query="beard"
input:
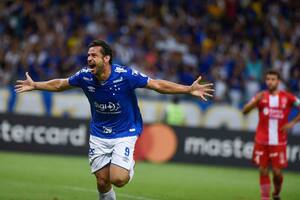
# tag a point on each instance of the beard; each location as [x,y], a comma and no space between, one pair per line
[92,65]
[272,88]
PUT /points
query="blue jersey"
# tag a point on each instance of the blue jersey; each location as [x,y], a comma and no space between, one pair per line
[114,107]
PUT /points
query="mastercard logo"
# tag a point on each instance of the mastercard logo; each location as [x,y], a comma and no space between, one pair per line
[158,144]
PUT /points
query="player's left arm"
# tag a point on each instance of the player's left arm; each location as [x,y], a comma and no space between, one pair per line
[196,89]
[291,123]
[296,119]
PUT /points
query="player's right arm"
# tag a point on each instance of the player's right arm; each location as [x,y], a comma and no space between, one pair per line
[54,85]
[252,103]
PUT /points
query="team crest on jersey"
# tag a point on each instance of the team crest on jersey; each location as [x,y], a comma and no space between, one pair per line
[266,111]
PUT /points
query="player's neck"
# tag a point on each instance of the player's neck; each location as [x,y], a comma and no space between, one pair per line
[274,92]
[104,74]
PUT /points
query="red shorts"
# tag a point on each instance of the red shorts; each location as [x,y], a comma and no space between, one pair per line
[263,155]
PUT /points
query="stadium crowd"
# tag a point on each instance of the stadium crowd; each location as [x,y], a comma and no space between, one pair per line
[229,42]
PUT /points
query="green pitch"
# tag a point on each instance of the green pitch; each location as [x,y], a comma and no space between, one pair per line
[48,177]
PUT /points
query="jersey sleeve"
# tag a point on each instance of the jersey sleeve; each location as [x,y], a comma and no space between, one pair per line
[137,79]
[295,101]
[253,99]
[75,79]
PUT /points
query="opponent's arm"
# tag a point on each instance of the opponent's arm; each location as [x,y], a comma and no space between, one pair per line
[294,120]
[251,104]
[55,85]
[167,87]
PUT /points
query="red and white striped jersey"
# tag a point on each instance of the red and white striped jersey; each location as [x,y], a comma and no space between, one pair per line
[273,114]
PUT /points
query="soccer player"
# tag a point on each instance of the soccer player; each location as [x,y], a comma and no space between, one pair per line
[274,107]
[116,120]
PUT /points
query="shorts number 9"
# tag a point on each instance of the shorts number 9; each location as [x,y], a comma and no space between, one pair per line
[127,151]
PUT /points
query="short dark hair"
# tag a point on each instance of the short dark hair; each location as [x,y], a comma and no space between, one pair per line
[273,72]
[106,50]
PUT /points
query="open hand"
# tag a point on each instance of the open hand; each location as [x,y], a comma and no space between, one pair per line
[24,85]
[201,90]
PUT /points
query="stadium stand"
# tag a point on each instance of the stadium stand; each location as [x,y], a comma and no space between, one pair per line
[229,42]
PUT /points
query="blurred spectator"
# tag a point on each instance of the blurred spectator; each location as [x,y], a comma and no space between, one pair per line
[229,42]
[174,113]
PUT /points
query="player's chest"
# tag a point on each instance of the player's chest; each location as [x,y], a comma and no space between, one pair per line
[276,102]
[274,107]
[107,91]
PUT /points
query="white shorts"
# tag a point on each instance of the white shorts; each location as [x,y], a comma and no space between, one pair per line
[118,151]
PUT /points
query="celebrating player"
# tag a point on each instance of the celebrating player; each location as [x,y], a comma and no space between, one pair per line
[274,107]
[116,120]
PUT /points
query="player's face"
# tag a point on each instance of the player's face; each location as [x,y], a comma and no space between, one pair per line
[272,82]
[95,59]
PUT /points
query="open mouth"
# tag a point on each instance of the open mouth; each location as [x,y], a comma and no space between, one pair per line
[91,66]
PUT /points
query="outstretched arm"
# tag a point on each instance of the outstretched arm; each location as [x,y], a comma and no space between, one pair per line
[252,104]
[167,87]
[55,85]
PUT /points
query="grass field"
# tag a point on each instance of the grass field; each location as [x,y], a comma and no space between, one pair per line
[48,177]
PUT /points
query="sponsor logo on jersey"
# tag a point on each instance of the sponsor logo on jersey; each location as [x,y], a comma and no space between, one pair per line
[108,108]
[273,113]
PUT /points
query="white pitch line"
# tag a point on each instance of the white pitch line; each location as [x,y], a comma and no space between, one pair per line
[74,188]
[118,194]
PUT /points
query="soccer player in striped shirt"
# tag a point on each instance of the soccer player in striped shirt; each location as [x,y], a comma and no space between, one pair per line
[274,107]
